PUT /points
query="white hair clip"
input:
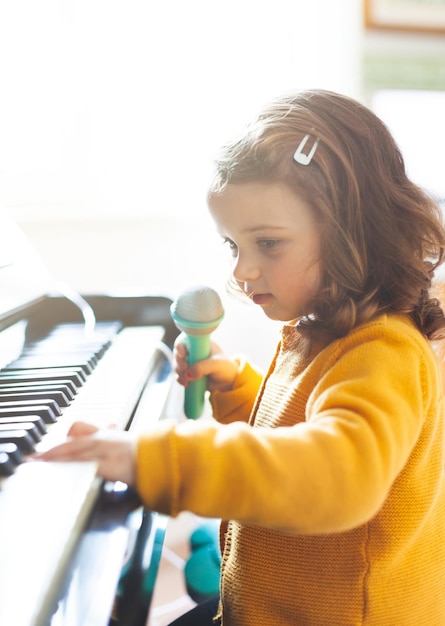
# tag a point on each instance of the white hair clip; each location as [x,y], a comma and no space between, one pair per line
[305,159]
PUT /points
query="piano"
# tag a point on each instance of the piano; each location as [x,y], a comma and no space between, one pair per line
[75,550]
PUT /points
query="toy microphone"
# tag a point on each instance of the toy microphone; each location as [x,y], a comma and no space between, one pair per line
[197,313]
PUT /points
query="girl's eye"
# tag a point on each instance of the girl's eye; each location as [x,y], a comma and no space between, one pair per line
[267,243]
[231,244]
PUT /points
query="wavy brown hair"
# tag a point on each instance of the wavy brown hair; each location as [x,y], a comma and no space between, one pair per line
[382,235]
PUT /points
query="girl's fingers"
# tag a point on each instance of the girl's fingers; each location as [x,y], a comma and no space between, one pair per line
[79,449]
[80,429]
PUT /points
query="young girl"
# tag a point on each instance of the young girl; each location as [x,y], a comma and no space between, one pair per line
[330,467]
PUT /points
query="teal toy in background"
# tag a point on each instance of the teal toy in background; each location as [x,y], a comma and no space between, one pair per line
[202,569]
[197,313]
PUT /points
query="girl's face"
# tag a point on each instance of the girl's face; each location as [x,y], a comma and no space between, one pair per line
[274,240]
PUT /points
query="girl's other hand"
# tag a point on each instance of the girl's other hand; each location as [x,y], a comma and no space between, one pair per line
[113,450]
[219,369]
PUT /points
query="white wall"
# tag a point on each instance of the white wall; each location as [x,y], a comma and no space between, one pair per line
[112,110]
[116,107]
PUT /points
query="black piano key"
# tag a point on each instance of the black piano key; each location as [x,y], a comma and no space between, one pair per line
[46,402]
[21,437]
[37,396]
[47,374]
[61,345]
[30,427]
[41,381]
[37,362]
[33,419]
[53,353]
[75,336]
[44,411]
[12,451]
[53,358]
[103,332]
[65,386]
[7,465]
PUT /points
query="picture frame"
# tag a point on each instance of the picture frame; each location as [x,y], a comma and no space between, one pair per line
[421,16]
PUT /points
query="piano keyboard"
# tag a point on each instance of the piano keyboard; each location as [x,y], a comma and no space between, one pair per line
[48,504]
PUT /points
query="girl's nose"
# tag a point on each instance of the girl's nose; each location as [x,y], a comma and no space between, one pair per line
[244,269]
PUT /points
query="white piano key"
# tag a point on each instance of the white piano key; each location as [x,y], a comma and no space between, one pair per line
[44,507]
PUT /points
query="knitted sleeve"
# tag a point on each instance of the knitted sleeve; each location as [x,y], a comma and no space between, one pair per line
[366,411]
[236,404]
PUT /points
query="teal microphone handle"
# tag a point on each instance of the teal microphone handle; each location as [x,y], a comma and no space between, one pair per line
[197,313]
[194,393]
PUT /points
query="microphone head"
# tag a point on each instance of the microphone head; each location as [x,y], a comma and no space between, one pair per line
[197,311]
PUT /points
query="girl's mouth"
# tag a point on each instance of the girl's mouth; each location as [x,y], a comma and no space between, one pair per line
[261,298]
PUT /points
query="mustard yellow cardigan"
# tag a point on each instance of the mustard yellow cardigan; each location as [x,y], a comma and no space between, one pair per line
[334,489]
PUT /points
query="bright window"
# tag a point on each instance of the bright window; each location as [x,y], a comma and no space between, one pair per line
[416,119]
[116,107]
